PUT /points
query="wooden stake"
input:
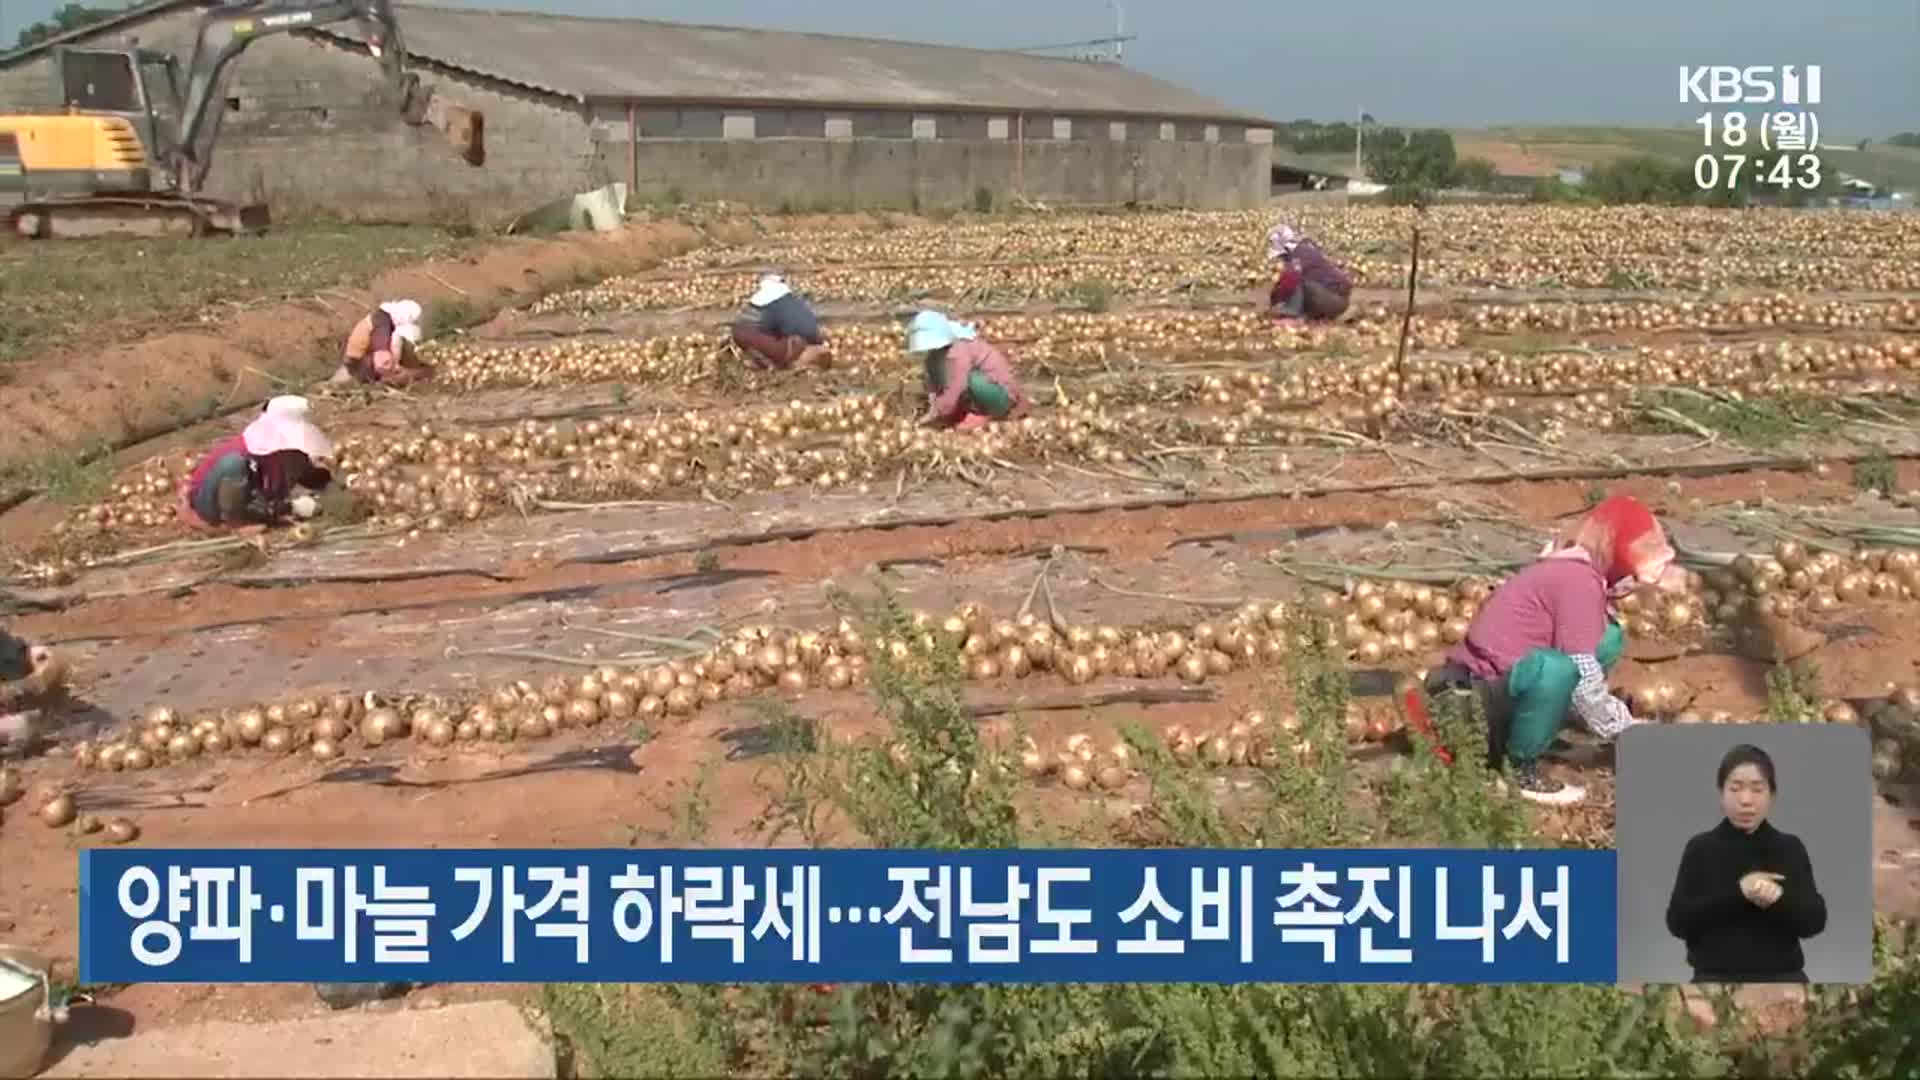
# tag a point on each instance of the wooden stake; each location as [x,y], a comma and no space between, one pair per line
[1406,322]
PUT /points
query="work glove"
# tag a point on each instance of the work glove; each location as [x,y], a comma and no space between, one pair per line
[305,506]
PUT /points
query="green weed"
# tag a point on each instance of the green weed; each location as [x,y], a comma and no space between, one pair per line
[76,476]
[1876,473]
[1091,295]
[1793,694]
[935,783]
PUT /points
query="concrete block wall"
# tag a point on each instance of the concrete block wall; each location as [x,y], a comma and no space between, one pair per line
[314,133]
[943,172]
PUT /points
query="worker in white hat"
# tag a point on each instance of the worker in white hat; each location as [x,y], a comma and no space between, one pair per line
[779,328]
[247,481]
[382,347]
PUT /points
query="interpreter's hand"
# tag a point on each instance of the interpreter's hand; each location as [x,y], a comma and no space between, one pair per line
[1761,888]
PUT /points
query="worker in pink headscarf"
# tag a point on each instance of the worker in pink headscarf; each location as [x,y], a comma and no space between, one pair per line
[247,481]
[1311,286]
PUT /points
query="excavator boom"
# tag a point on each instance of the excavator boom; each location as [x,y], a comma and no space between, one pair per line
[184,154]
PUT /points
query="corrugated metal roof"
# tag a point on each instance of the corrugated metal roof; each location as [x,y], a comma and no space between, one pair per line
[642,59]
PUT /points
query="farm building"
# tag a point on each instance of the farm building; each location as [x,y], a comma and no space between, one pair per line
[698,113]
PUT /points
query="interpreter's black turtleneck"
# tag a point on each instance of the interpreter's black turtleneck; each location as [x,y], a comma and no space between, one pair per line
[1729,938]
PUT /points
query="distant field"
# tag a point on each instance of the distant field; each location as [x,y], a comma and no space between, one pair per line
[1543,150]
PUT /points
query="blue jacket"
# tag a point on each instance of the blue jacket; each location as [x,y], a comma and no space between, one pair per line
[790,316]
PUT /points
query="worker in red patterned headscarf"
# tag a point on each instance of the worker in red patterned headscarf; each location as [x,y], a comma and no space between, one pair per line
[1311,286]
[1541,646]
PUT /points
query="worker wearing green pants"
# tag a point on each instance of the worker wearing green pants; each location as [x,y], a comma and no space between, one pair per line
[1540,648]
[1540,694]
[969,383]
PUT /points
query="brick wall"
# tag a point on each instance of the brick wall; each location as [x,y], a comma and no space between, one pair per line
[928,173]
[312,132]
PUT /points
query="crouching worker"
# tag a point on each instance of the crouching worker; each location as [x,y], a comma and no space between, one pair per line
[1541,646]
[246,481]
[31,679]
[383,347]
[969,382]
[780,329]
[1311,286]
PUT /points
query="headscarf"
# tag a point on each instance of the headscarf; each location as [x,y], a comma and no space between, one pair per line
[403,313]
[771,288]
[1624,541]
[932,330]
[1281,242]
[284,425]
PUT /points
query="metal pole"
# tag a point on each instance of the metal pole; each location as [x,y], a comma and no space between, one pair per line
[1359,133]
[1119,31]
[633,154]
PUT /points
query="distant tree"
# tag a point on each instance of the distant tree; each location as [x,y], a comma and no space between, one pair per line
[1909,139]
[1312,137]
[69,17]
[1862,145]
[1475,174]
[1424,158]
[1642,179]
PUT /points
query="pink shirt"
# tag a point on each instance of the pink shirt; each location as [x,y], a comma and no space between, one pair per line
[1557,603]
[962,359]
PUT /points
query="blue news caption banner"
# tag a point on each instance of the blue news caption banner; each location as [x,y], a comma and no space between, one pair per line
[1047,916]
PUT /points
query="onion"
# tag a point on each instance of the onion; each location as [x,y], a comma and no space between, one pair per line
[137,758]
[1688,716]
[324,749]
[1075,777]
[11,785]
[583,712]
[1839,712]
[1356,723]
[681,702]
[466,731]
[250,726]
[57,811]
[534,724]
[122,831]
[440,732]
[1192,668]
[556,691]
[214,742]
[381,724]
[620,704]
[182,746]
[1111,776]
[162,716]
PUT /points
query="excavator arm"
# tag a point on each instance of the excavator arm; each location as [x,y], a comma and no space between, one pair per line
[226,32]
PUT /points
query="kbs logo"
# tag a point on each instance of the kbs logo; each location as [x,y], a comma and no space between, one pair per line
[1763,85]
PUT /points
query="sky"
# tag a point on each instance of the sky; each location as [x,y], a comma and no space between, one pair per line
[1445,63]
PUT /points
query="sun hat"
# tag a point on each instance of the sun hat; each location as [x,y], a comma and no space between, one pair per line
[283,425]
[1281,242]
[771,288]
[403,312]
[932,330]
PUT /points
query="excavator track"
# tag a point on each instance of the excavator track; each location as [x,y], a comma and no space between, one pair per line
[158,214]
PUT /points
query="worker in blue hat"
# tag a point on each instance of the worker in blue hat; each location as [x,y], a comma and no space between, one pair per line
[969,382]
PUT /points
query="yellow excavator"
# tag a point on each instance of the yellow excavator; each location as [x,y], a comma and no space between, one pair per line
[133,145]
